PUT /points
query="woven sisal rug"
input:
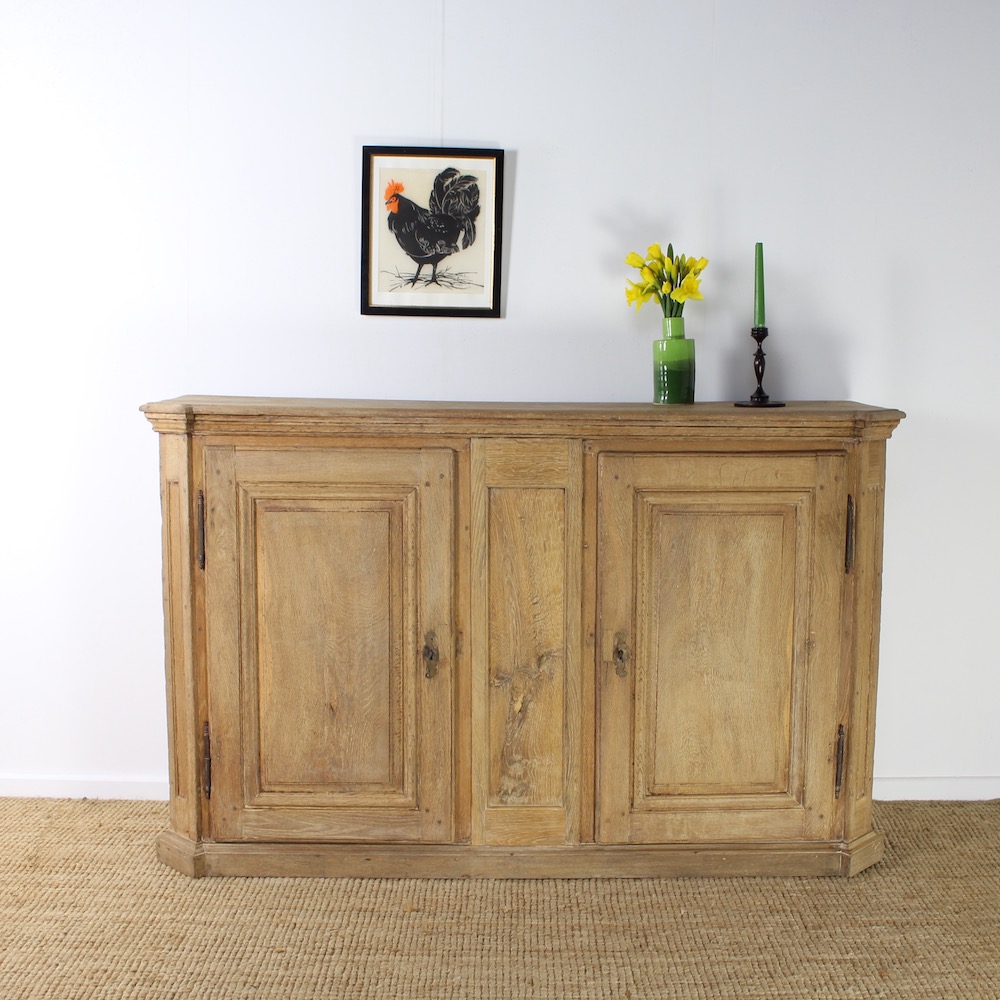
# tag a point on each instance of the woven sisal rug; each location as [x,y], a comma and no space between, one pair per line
[87,911]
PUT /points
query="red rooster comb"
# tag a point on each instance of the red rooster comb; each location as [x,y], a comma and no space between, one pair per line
[394,188]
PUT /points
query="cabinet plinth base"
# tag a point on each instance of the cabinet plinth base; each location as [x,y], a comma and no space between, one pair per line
[463,861]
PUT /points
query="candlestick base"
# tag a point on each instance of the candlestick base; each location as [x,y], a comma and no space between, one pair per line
[759,398]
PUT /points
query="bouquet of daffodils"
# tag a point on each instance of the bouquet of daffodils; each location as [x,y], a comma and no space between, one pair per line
[670,280]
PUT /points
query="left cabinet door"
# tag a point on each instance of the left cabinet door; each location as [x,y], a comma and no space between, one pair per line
[329,643]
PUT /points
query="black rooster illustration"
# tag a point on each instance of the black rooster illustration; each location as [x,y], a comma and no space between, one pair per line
[447,225]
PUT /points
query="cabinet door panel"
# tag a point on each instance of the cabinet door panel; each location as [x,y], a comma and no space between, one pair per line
[327,573]
[526,596]
[327,642]
[527,584]
[714,639]
[719,606]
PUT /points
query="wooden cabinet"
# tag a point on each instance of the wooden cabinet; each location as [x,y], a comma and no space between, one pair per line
[520,640]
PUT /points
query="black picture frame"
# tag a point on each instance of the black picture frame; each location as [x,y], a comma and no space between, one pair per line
[441,255]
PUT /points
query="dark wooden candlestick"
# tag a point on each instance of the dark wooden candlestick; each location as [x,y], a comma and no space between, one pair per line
[759,398]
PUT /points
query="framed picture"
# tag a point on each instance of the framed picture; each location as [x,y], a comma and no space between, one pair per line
[430,231]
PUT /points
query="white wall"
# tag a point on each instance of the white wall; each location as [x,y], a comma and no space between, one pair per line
[179,212]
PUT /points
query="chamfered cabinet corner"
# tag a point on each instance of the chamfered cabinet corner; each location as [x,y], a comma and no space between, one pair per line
[553,640]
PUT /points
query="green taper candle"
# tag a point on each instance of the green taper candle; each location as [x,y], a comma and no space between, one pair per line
[758,289]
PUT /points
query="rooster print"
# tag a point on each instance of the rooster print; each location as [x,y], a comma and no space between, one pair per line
[447,226]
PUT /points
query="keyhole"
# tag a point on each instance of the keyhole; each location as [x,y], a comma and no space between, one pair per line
[621,657]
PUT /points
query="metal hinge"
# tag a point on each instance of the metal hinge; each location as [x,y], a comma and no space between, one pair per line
[206,761]
[841,747]
[849,541]
[200,534]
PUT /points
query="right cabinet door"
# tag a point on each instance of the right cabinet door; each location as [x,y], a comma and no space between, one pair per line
[721,642]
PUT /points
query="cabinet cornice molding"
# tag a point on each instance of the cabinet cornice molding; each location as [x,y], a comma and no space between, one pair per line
[828,421]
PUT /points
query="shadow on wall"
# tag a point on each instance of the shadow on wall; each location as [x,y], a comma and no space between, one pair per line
[813,367]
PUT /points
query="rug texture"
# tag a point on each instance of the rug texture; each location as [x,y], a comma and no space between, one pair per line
[87,911]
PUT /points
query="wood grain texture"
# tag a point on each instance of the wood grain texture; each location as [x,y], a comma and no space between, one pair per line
[716,631]
[179,634]
[864,594]
[462,757]
[526,646]
[816,423]
[329,642]
[527,615]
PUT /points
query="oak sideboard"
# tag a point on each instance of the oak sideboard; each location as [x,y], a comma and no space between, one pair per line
[520,640]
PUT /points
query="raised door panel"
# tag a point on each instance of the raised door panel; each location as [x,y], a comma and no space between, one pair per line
[526,658]
[686,661]
[328,575]
[328,654]
[719,601]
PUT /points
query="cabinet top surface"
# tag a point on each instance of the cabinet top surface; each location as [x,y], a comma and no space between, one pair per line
[241,414]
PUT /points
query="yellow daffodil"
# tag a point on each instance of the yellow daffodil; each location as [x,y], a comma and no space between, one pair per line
[687,289]
[637,294]
[671,280]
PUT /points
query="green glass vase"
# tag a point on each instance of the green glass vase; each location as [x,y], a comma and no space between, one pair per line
[673,364]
